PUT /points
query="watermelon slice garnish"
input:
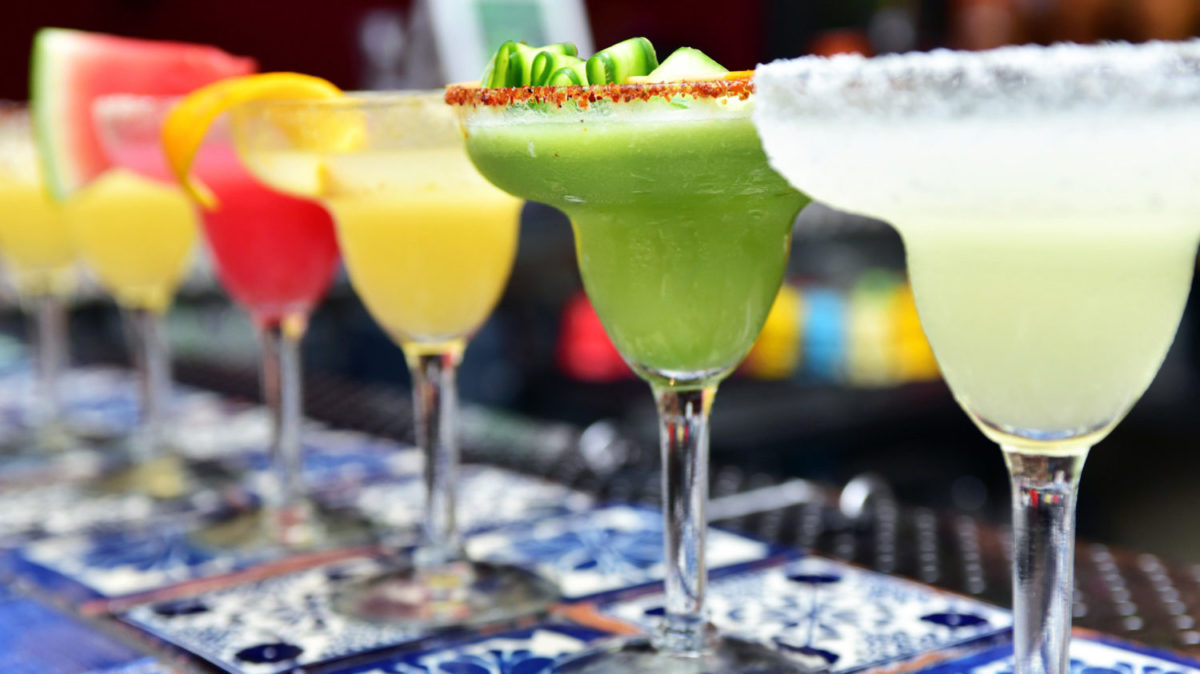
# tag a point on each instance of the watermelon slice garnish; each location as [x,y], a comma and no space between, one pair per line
[71,69]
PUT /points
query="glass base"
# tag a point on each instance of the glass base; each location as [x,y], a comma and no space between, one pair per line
[304,529]
[462,593]
[727,656]
[46,442]
[166,478]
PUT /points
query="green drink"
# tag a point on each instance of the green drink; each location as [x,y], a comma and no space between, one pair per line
[682,235]
[681,229]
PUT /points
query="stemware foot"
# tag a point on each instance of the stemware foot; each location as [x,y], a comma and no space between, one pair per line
[727,655]
[459,593]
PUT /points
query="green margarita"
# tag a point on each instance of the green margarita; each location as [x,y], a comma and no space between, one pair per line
[682,234]
[681,229]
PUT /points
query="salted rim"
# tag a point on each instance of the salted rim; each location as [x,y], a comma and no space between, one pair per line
[1017,79]
[739,87]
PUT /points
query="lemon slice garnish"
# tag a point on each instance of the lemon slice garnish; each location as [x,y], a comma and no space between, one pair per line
[189,120]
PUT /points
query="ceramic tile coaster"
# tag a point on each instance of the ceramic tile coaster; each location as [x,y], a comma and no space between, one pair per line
[143,666]
[527,651]
[269,626]
[111,562]
[103,402]
[1089,655]
[97,400]
[604,550]
[341,461]
[487,498]
[22,470]
[35,639]
[829,614]
[68,508]
[115,563]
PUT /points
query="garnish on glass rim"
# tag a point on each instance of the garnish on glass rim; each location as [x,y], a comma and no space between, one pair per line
[633,61]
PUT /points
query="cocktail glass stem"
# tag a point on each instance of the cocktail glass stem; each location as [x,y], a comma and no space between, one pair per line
[152,362]
[285,499]
[50,361]
[435,400]
[1043,495]
[683,432]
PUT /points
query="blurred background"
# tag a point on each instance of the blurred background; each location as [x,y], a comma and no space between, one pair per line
[841,382]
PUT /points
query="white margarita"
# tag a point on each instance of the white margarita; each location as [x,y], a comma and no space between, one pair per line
[1050,223]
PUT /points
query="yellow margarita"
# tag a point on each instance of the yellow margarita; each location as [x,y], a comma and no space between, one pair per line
[429,256]
[136,236]
[428,243]
[34,237]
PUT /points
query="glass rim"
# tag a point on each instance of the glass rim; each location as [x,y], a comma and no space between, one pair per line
[739,85]
[941,84]
[351,100]
[117,104]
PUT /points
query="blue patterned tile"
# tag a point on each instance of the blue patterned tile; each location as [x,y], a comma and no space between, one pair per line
[115,563]
[66,508]
[33,636]
[335,461]
[24,469]
[104,402]
[99,400]
[269,626]
[143,666]
[604,550]
[1088,656]
[527,651]
[487,498]
[829,614]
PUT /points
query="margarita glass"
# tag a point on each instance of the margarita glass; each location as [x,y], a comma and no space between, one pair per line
[428,245]
[137,237]
[276,255]
[36,247]
[1046,201]
[682,234]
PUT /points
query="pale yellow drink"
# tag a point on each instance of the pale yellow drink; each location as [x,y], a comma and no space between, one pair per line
[428,242]
[35,240]
[136,236]
[1058,339]
[1049,280]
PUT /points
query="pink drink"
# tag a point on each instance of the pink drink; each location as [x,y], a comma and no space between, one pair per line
[275,254]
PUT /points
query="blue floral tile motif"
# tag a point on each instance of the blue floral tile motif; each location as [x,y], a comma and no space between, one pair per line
[833,615]
[336,459]
[529,651]
[116,563]
[333,459]
[97,400]
[603,550]
[35,639]
[74,464]
[269,626]
[143,666]
[487,498]
[60,509]
[1088,656]
[101,400]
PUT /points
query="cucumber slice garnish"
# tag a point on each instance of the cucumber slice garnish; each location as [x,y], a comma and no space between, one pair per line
[688,63]
[512,65]
[497,69]
[520,65]
[564,48]
[573,76]
[546,63]
[516,64]
[614,65]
